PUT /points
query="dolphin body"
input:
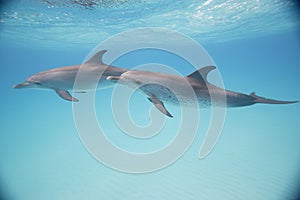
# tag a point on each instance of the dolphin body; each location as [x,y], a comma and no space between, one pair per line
[62,79]
[157,87]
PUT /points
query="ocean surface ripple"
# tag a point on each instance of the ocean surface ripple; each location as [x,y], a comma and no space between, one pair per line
[90,21]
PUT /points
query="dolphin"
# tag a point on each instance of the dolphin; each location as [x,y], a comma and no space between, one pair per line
[157,87]
[62,79]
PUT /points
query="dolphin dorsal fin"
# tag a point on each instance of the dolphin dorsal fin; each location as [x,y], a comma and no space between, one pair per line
[97,58]
[201,74]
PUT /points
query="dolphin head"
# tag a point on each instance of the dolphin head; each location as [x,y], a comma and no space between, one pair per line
[27,84]
[34,81]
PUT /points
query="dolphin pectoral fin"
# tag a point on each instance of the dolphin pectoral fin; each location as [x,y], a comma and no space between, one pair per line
[66,95]
[201,74]
[159,105]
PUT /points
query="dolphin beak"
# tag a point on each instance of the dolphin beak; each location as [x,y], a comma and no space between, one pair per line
[21,85]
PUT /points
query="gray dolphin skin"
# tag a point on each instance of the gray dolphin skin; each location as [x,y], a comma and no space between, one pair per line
[157,87]
[62,79]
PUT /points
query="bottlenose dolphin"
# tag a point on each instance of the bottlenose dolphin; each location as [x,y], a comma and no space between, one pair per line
[157,87]
[62,79]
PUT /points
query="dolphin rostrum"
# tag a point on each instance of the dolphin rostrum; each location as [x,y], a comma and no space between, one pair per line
[156,87]
[62,79]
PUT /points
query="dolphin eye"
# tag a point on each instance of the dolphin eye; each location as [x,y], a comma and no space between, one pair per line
[37,83]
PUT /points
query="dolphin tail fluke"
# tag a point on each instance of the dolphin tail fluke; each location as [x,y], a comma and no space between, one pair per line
[259,99]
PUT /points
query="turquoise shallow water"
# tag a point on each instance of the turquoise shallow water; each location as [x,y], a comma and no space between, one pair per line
[255,46]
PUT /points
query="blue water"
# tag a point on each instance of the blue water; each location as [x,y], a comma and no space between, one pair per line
[255,45]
